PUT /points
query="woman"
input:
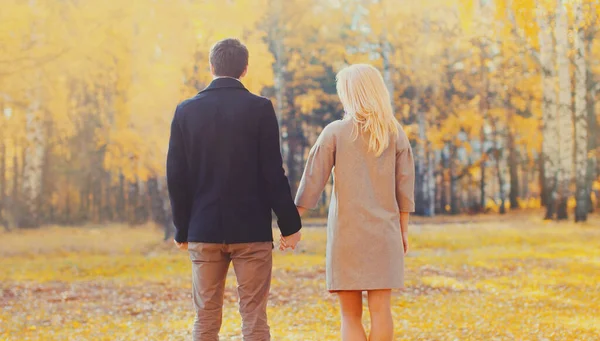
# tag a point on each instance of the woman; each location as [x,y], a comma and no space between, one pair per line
[367,230]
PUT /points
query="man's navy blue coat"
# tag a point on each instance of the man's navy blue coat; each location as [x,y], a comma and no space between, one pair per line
[224,168]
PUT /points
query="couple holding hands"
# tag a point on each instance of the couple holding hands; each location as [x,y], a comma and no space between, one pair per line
[225,177]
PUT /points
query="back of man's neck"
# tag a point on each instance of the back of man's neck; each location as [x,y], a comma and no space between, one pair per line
[217,77]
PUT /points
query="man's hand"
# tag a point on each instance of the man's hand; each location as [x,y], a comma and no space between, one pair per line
[181,246]
[405,242]
[290,241]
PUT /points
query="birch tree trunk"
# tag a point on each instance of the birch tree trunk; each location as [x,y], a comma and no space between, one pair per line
[549,112]
[425,191]
[279,79]
[581,124]
[443,192]
[15,199]
[454,203]
[513,165]
[499,156]
[425,167]
[431,188]
[420,160]
[387,53]
[593,127]
[121,201]
[526,170]
[565,120]
[32,168]
[277,48]
[513,153]
[592,167]
[3,191]
[157,207]
[483,107]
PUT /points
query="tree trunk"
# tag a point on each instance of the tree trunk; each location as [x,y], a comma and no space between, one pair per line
[3,219]
[419,184]
[454,203]
[159,215]
[526,171]
[168,227]
[32,168]
[513,167]
[581,127]
[422,175]
[591,172]
[67,215]
[293,144]
[443,194]
[15,206]
[498,155]
[565,120]
[388,68]
[84,205]
[549,112]
[48,179]
[544,193]
[107,209]
[133,203]
[482,198]
[387,53]
[483,107]
[276,36]
[430,212]
[2,167]
[121,199]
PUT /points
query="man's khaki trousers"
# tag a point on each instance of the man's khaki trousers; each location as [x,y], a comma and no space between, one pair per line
[252,263]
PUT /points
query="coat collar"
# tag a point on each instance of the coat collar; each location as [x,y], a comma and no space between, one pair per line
[225,82]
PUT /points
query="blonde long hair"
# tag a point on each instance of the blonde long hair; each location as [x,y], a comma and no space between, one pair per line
[366,101]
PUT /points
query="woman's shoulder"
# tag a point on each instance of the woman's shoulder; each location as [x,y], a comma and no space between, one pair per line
[339,124]
[331,132]
[334,128]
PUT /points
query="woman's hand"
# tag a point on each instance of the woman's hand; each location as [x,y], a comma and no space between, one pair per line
[290,241]
[301,210]
[405,242]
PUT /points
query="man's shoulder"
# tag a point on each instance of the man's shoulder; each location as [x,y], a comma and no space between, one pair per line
[259,104]
[259,99]
[208,97]
[186,103]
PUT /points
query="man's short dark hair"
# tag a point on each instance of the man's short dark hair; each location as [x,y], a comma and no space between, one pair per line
[229,58]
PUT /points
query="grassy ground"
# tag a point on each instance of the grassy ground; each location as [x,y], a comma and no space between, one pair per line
[514,278]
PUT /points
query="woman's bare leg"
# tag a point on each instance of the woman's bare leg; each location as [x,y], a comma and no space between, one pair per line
[351,309]
[380,308]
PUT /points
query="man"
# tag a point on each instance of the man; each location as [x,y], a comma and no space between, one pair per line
[225,176]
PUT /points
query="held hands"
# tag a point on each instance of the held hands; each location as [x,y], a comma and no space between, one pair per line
[290,241]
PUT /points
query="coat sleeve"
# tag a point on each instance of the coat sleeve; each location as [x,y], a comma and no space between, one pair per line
[278,188]
[177,176]
[317,172]
[405,176]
